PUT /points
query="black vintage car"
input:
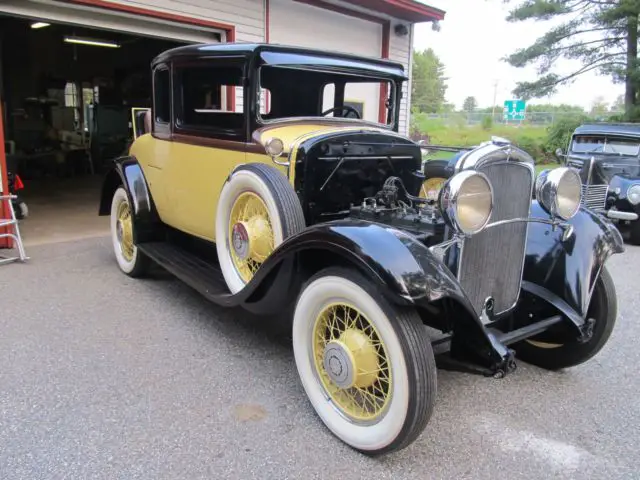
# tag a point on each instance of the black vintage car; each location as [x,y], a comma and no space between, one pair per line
[301,206]
[607,155]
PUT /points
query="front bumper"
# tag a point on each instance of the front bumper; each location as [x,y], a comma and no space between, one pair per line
[620,215]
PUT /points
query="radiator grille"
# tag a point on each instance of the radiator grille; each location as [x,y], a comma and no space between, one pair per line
[594,196]
[491,262]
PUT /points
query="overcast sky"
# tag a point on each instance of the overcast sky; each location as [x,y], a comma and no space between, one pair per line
[471,42]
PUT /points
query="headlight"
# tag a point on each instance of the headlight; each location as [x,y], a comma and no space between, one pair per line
[633,194]
[559,191]
[466,202]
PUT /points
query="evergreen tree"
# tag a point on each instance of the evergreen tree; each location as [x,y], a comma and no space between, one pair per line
[428,83]
[601,34]
[469,104]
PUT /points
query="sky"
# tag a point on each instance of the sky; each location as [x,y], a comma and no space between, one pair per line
[473,38]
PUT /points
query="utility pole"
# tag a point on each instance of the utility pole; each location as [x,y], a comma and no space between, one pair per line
[495,95]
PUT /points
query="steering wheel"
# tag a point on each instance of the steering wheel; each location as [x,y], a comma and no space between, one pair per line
[344,107]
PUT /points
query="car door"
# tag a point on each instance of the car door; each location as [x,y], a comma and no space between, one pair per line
[208,141]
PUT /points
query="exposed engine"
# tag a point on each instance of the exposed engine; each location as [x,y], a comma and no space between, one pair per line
[394,206]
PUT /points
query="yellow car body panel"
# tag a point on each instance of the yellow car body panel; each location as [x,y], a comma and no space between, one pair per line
[185,179]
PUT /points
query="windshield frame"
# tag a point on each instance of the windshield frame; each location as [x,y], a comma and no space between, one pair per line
[394,93]
[607,139]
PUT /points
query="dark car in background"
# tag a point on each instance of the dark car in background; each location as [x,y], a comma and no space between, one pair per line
[607,156]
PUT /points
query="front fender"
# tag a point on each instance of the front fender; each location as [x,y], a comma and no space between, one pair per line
[569,269]
[406,271]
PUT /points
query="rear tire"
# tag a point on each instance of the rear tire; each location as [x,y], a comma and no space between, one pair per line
[392,366]
[130,259]
[559,353]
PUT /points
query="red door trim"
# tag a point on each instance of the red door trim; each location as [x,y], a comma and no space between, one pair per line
[4,211]
[386,40]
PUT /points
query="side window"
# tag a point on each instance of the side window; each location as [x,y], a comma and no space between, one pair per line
[209,99]
[162,96]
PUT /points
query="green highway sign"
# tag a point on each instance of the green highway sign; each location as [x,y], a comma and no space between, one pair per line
[514,109]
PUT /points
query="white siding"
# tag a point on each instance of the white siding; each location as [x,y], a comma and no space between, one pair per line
[248,17]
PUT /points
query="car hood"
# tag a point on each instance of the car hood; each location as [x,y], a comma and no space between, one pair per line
[293,132]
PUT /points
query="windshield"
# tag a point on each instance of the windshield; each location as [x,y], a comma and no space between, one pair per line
[605,144]
[290,92]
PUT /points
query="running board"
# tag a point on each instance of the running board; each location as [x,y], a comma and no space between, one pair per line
[202,275]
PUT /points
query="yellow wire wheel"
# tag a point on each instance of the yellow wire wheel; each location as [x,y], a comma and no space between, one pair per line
[366,365]
[257,210]
[130,260]
[251,234]
[124,230]
[351,361]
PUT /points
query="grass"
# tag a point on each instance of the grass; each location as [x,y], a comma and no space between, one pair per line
[457,133]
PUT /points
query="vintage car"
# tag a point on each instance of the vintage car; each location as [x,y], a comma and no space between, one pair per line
[302,201]
[607,156]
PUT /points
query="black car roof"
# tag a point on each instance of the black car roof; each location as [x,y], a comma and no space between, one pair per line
[276,54]
[602,128]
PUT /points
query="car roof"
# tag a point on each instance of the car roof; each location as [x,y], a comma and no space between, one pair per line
[283,55]
[600,128]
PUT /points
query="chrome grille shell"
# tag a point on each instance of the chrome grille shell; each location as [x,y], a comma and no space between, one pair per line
[490,263]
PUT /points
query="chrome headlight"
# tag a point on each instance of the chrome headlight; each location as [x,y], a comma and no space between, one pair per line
[633,194]
[559,192]
[466,202]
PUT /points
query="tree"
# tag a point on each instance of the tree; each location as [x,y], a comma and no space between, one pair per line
[470,104]
[428,83]
[602,35]
[599,108]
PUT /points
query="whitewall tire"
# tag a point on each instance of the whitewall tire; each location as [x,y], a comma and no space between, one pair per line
[130,260]
[404,396]
[257,210]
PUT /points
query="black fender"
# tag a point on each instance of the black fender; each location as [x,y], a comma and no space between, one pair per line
[404,269]
[621,184]
[564,272]
[128,173]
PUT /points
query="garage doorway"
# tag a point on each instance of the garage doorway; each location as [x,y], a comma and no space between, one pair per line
[67,94]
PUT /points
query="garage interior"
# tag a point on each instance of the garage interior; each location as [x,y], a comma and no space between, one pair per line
[67,93]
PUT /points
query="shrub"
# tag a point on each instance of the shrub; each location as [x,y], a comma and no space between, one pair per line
[487,122]
[559,134]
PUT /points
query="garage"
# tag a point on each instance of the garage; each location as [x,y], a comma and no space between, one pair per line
[71,70]
[67,95]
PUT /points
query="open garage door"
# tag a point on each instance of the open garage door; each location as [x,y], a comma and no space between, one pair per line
[289,25]
[110,19]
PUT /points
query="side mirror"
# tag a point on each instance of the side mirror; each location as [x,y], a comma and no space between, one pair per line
[561,156]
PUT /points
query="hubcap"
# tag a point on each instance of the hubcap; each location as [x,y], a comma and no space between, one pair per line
[351,363]
[250,234]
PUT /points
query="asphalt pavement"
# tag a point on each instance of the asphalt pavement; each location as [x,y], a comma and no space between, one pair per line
[106,377]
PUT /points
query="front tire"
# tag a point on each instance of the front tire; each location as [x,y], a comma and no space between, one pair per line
[367,366]
[130,259]
[563,350]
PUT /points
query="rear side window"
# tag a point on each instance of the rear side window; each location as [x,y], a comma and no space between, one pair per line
[162,96]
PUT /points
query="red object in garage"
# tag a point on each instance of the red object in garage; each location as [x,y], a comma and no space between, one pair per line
[4,207]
